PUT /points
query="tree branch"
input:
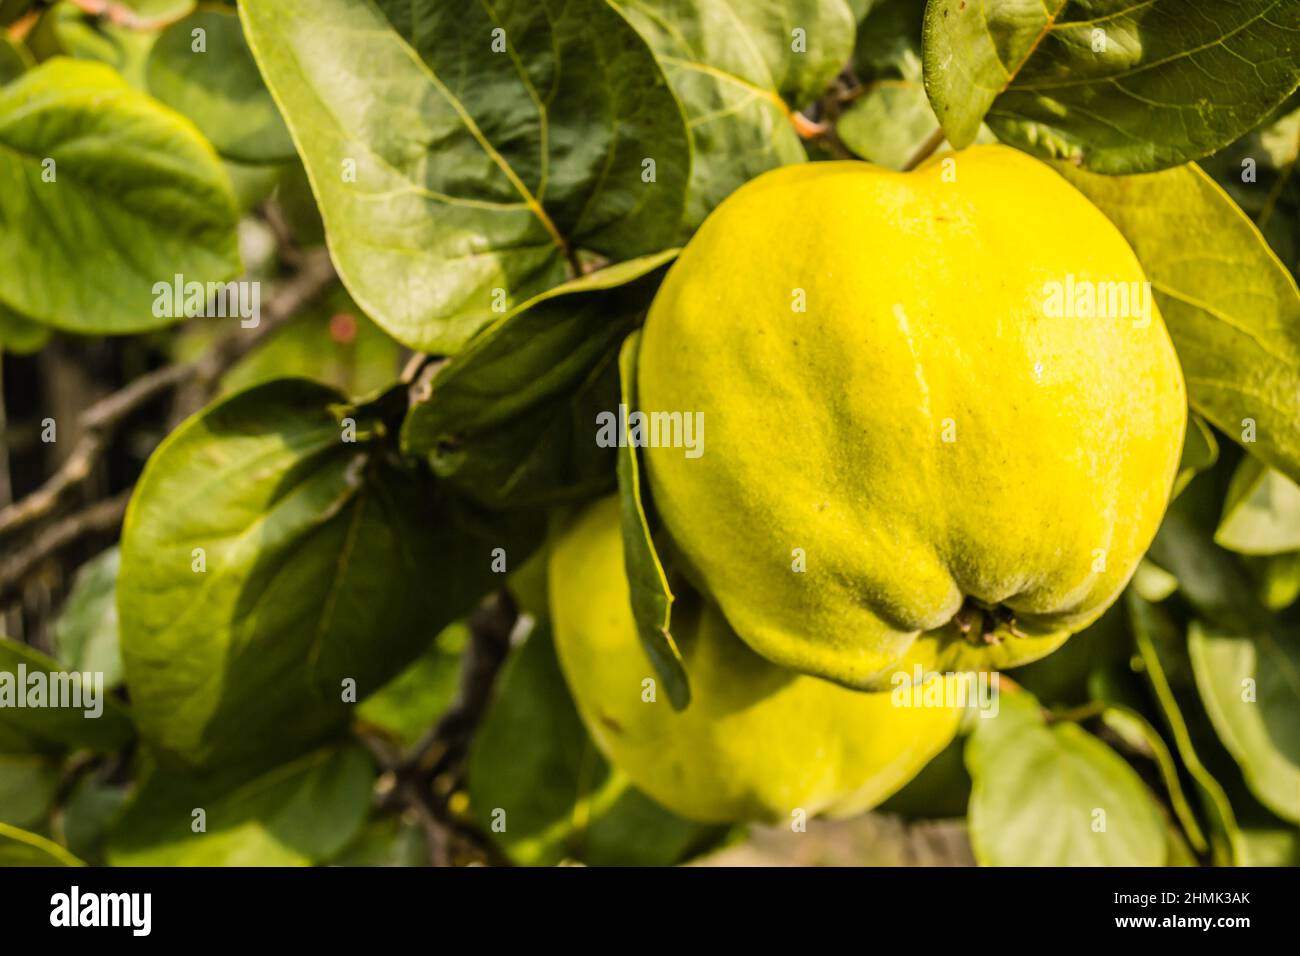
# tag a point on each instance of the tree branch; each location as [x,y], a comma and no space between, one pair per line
[100,518]
[103,418]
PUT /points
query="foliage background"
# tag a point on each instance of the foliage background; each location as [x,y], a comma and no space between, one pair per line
[492,241]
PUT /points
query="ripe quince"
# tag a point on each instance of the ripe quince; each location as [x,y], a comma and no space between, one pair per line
[757,741]
[942,413]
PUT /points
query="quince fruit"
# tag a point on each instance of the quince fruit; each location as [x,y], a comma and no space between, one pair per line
[756,742]
[943,413]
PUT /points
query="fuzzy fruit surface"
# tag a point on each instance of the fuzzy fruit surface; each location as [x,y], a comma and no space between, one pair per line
[969,474]
[757,741]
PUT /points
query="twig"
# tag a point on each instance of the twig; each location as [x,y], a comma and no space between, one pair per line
[100,518]
[103,418]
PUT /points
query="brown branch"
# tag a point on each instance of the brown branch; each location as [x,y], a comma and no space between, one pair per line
[103,517]
[103,418]
[925,150]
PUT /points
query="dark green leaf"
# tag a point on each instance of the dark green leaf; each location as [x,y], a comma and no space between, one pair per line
[410,704]
[1261,514]
[1054,795]
[1200,451]
[1233,310]
[302,812]
[29,784]
[386,841]
[88,816]
[138,197]
[18,335]
[218,87]
[652,598]
[542,790]
[453,178]
[1115,86]
[512,420]
[324,563]
[14,60]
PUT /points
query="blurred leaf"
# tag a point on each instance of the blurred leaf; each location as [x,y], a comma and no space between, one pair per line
[734,69]
[1261,514]
[46,728]
[1250,685]
[67,30]
[29,784]
[20,848]
[300,813]
[1111,85]
[889,123]
[85,634]
[888,42]
[512,419]
[14,59]
[322,562]
[11,10]
[1141,737]
[139,197]
[219,87]
[386,841]
[1164,659]
[331,342]
[447,180]
[1233,310]
[1277,579]
[1200,452]
[1153,582]
[20,336]
[652,599]
[410,704]
[1054,795]
[91,811]
[534,771]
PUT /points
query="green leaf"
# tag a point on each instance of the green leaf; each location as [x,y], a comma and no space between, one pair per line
[138,197]
[85,634]
[1261,514]
[456,175]
[1063,677]
[734,69]
[534,771]
[1153,582]
[85,716]
[410,704]
[941,791]
[652,598]
[11,10]
[1054,795]
[302,812]
[14,60]
[1114,86]
[321,561]
[89,814]
[1250,684]
[889,123]
[512,419]
[1277,579]
[219,87]
[29,784]
[1232,309]
[20,848]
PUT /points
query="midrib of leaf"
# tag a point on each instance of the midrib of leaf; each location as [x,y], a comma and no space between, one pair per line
[533,205]
[341,565]
[544,125]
